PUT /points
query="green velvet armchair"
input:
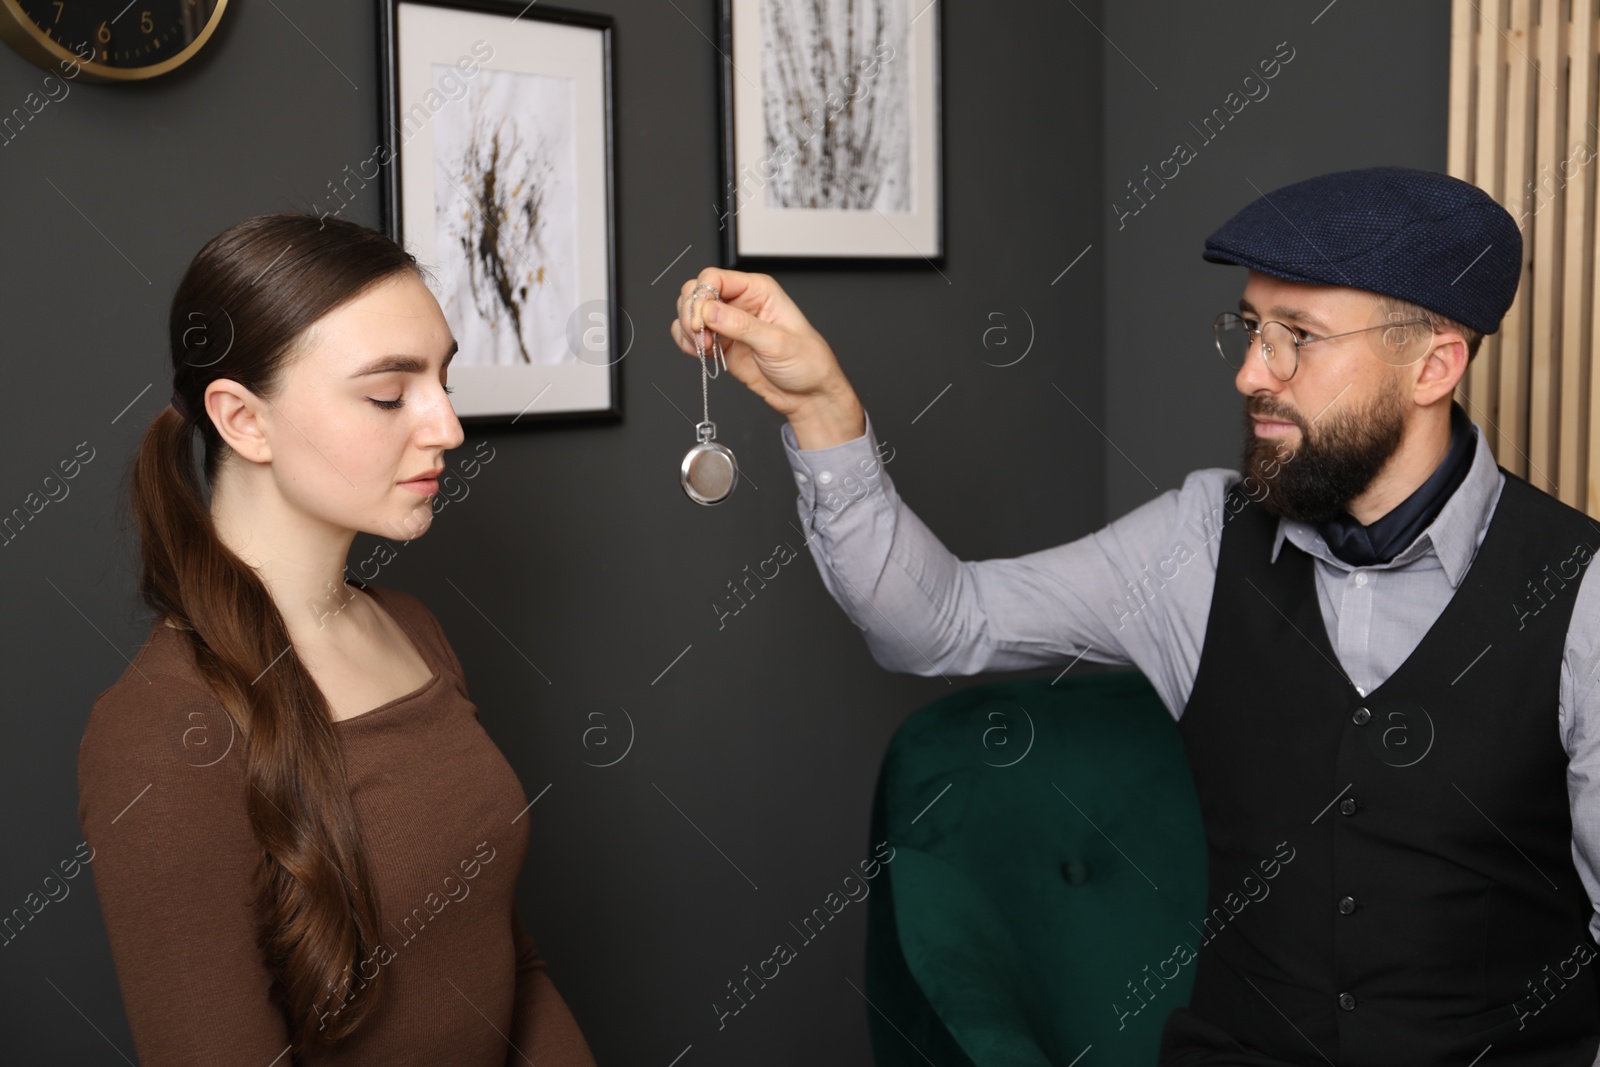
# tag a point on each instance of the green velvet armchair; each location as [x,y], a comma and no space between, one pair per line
[1048,879]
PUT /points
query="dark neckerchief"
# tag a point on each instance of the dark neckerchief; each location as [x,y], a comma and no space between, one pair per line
[1363,546]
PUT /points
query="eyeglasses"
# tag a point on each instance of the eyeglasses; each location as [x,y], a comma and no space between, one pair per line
[1280,344]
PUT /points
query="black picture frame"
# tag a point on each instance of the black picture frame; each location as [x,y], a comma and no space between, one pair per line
[739,77]
[578,383]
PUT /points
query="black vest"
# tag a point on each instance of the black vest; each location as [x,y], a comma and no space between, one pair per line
[1391,878]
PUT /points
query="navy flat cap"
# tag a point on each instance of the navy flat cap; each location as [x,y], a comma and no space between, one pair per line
[1436,241]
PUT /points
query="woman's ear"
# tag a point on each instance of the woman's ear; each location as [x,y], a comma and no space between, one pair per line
[237,413]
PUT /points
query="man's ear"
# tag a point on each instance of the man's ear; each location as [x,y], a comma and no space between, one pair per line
[1442,368]
[237,414]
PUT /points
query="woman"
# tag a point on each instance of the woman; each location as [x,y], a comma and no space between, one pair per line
[306,847]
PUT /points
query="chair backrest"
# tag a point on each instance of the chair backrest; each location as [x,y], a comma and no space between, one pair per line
[1048,879]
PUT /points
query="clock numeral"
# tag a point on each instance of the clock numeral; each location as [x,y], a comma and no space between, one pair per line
[145,22]
[103,34]
[60,7]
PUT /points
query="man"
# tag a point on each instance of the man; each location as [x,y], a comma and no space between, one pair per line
[1380,647]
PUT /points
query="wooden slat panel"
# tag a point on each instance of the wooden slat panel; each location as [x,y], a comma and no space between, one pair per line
[1524,126]
[1463,64]
[1487,174]
[1515,328]
[1463,38]
[1538,214]
[1578,405]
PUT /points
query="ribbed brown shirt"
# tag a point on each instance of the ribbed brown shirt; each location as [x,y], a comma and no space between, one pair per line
[162,802]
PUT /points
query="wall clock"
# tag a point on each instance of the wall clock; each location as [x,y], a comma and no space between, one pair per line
[123,40]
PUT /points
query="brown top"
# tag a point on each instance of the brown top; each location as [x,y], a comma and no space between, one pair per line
[161,801]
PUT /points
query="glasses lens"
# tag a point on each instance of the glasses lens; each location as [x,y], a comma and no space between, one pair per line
[1233,340]
[1402,344]
[1278,344]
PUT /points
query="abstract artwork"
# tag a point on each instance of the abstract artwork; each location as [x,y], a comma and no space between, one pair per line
[849,150]
[831,130]
[506,213]
[500,183]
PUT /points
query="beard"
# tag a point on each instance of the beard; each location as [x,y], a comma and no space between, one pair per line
[1335,460]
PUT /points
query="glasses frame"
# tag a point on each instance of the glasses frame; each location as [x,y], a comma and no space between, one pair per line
[1266,349]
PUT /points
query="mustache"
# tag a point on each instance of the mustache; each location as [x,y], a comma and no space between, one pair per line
[1268,412]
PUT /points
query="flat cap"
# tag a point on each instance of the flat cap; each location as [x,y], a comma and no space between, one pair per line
[1424,237]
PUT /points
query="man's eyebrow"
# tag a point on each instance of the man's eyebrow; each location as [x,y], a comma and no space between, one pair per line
[1288,314]
[406,364]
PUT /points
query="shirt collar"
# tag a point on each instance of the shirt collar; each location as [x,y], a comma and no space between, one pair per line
[1453,535]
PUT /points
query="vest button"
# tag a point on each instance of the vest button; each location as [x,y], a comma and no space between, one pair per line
[1361,716]
[1347,806]
[1346,906]
[1347,1001]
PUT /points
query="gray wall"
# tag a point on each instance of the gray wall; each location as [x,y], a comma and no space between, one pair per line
[1368,85]
[576,542]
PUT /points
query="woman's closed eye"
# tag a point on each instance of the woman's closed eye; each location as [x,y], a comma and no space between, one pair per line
[390,405]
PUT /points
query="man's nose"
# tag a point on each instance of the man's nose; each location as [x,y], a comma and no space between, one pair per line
[1255,376]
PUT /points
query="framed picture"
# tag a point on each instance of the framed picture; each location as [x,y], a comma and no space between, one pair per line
[496,118]
[831,130]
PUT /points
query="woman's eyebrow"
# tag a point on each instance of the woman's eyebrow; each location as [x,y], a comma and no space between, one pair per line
[407,364]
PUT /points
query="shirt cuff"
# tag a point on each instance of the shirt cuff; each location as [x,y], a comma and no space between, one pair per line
[839,474]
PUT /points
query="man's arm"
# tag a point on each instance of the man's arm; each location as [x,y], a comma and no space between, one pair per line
[1580,736]
[1136,591]
[1579,718]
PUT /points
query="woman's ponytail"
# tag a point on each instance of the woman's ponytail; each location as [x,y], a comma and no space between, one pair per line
[260,284]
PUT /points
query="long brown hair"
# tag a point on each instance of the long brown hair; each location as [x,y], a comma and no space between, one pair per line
[240,313]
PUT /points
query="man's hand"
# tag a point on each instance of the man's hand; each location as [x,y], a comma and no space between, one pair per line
[771,348]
